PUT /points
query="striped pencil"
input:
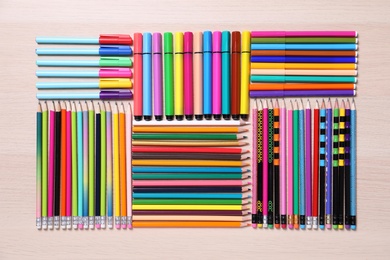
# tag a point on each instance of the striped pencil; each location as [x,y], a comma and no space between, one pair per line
[322,158]
[316,156]
[336,188]
[328,169]
[276,161]
[260,162]
[341,165]
[347,165]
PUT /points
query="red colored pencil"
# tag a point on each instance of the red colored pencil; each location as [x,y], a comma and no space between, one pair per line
[316,165]
[174,149]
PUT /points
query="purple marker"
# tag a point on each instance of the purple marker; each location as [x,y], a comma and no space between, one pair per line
[217,75]
[104,95]
[301,93]
[157,77]
[188,76]
[308,167]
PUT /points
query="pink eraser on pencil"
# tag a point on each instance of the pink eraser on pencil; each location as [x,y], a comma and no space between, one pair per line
[129,226]
[115,73]
[124,226]
[118,226]
[98,226]
[290,226]
[81,226]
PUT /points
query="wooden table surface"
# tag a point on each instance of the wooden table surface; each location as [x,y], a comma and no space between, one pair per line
[21,21]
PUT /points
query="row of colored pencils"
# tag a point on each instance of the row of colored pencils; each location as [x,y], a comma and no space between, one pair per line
[83,165]
[186,175]
[294,64]
[305,162]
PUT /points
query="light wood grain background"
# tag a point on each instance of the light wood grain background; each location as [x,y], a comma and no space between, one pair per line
[22,20]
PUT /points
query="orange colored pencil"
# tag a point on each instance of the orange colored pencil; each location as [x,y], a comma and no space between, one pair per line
[122,165]
[302,53]
[63,166]
[189,224]
[186,129]
[302,86]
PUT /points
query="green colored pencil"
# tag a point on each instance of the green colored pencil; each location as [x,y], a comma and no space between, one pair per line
[146,136]
[91,165]
[187,202]
[44,165]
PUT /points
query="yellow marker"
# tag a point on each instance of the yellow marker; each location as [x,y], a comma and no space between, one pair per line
[304,66]
[115,83]
[178,81]
[245,63]
[115,156]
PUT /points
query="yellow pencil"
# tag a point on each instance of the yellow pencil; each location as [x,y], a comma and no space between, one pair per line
[115,155]
[245,71]
[225,163]
[189,129]
[178,83]
[122,165]
[223,143]
[304,66]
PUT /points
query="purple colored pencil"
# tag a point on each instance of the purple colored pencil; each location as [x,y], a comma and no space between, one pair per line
[260,34]
[308,167]
[188,76]
[301,93]
[157,76]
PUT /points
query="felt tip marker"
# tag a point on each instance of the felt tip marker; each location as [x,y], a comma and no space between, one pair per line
[179,76]
[235,75]
[102,62]
[198,75]
[147,76]
[207,74]
[188,75]
[217,75]
[157,76]
[226,75]
[106,50]
[138,93]
[245,71]
[104,39]
[104,83]
[168,76]
[101,73]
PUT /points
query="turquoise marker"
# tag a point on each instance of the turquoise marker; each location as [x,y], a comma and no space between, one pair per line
[102,62]
[226,75]
[282,78]
[292,46]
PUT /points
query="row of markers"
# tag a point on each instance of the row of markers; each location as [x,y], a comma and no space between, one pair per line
[297,64]
[305,162]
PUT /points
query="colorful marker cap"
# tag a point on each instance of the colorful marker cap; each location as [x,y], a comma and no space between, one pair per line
[198,42]
[121,39]
[115,73]
[168,42]
[236,41]
[246,41]
[157,38]
[188,42]
[112,50]
[115,62]
[138,43]
[178,42]
[217,39]
[147,43]
[125,94]
[225,41]
[207,41]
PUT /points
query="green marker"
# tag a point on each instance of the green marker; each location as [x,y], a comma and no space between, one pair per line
[168,75]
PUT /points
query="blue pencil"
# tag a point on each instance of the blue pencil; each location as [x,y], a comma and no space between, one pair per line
[353,165]
[302,194]
[188,195]
[207,74]
[147,76]
[292,46]
[328,169]
[143,169]
[305,59]
[85,168]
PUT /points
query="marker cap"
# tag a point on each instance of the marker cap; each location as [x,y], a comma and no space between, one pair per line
[115,83]
[225,41]
[217,39]
[168,42]
[246,41]
[137,43]
[188,42]
[157,43]
[125,94]
[198,42]
[110,50]
[207,41]
[115,73]
[236,41]
[178,42]
[122,39]
[115,62]
[147,43]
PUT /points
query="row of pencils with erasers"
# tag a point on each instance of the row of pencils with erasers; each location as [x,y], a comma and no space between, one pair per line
[304,165]
[109,78]
[83,170]
[190,175]
[186,75]
[303,64]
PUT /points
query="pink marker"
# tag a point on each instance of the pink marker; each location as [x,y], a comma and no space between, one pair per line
[290,177]
[188,76]
[217,75]
[68,167]
[115,73]
[265,165]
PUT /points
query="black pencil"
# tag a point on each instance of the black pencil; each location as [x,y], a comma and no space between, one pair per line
[276,166]
[335,165]
[260,165]
[97,164]
[57,165]
[270,216]
[347,166]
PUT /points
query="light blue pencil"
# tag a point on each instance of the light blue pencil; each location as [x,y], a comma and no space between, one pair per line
[109,165]
[85,164]
[302,194]
[353,165]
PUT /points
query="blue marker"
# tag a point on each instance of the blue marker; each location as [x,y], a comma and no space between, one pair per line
[226,75]
[302,195]
[207,74]
[305,59]
[106,50]
[147,76]
[293,46]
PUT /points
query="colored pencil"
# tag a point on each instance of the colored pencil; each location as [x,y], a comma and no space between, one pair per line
[245,72]
[109,147]
[226,90]
[305,40]
[96,94]
[188,218]
[197,156]
[138,76]
[187,202]
[168,76]
[38,177]
[116,170]
[276,162]
[308,167]
[86,165]
[60,167]
[258,34]
[68,213]
[304,59]
[192,123]
[207,74]
[302,93]
[353,166]
[91,165]
[304,66]
[187,176]
[221,163]
[347,166]
[190,136]
[184,129]
[316,159]
[179,76]
[302,167]
[244,212]
[290,167]
[328,168]
[259,157]
[103,163]
[308,46]
[122,166]
[194,189]
[147,76]
[98,164]
[74,171]
[52,163]
[265,164]
[45,138]
[152,195]
[188,76]
[302,86]
[186,207]
[322,163]
[128,120]
[271,172]
[80,165]
[201,143]
[303,53]
[235,74]
[335,171]
[217,75]
[341,165]
[157,76]
[188,224]
[158,183]
[283,178]
[301,79]
[296,164]
[254,164]
[198,75]
[211,150]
